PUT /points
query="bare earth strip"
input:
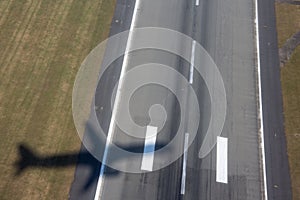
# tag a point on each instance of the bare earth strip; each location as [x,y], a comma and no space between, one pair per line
[288,23]
[42,44]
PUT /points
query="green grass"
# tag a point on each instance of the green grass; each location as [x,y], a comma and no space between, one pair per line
[42,44]
[288,23]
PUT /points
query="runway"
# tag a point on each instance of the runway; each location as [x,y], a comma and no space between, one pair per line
[226,29]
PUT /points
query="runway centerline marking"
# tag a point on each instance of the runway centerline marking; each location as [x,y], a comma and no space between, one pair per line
[149,148]
[192,63]
[183,177]
[116,103]
[222,160]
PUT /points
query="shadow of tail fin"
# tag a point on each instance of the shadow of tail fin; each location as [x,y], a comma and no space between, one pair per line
[27,158]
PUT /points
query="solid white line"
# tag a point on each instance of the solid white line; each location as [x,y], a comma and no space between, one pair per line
[260,103]
[222,160]
[149,148]
[192,63]
[197,2]
[116,103]
[183,177]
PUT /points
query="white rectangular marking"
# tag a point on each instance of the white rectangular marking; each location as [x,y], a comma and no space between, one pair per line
[192,63]
[197,2]
[183,177]
[222,160]
[149,148]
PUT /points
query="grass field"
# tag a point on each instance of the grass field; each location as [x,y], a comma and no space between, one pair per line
[42,44]
[288,23]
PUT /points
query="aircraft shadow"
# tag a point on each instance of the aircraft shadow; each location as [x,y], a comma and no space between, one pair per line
[28,158]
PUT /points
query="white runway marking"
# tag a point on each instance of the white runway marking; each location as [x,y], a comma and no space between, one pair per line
[262,137]
[116,103]
[197,2]
[149,148]
[192,63]
[183,177]
[222,160]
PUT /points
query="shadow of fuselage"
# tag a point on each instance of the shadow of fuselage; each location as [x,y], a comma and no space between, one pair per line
[29,159]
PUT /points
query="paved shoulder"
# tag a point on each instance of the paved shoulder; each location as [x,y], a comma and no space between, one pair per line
[278,177]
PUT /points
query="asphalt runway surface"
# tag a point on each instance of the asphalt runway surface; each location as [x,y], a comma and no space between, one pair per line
[226,30]
[278,177]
